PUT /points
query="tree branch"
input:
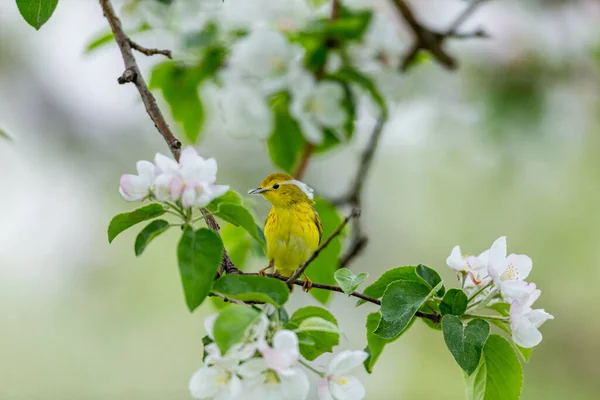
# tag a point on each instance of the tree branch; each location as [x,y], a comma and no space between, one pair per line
[354,214]
[149,52]
[133,74]
[432,41]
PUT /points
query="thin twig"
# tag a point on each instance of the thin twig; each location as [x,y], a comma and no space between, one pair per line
[132,74]
[432,41]
[149,52]
[354,196]
[354,214]
[308,150]
[233,301]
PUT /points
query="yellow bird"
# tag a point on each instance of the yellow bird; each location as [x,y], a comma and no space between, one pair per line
[293,228]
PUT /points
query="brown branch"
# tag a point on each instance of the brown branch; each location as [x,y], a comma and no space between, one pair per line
[133,74]
[149,52]
[432,41]
[308,150]
[354,214]
[226,299]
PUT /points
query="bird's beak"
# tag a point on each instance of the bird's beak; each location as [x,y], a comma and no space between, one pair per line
[257,191]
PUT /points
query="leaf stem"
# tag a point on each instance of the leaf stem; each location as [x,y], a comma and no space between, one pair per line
[488,317]
[487,285]
[308,366]
[486,300]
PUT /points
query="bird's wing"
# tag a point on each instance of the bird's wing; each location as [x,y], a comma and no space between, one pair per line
[318,223]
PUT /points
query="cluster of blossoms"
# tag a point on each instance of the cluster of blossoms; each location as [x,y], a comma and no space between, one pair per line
[266,365]
[493,276]
[189,182]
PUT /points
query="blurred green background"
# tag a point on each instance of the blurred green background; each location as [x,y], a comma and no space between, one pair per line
[507,145]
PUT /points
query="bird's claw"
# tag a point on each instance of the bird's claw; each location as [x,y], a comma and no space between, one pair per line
[307,285]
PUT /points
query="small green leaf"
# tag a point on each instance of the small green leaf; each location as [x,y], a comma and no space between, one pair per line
[502,325]
[430,277]
[238,215]
[499,375]
[465,341]
[525,353]
[501,308]
[377,288]
[400,302]
[238,244]
[348,281]
[375,343]
[230,197]
[317,324]
[125,221]
[286,142]
[231,325]
[323,268]
[313,343]
[152,230]
[251,287]
[454,302]
[199,255]
[36,12]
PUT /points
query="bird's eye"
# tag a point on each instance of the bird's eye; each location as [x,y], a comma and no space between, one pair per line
[276,186]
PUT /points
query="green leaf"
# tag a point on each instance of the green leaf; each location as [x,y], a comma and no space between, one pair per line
[313,343]
[251,287]
[36,12]
[465,341]
[525,353]
[501,308]
[377,288]
[286,142]
[317,324]
[323,268]
[4,135]
[230,197]
[199,255]
[375,343]
[179,86]
[231,325]
[152,230]
[430,277]
[499,375]
[348,281]
[502,325]
[239,215]
[400,302]
[349,25]
[126,220]
[454,302]
[352,76]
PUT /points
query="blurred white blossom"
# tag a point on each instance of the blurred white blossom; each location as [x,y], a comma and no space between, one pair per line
[525,321]
[337,384]
[317,105]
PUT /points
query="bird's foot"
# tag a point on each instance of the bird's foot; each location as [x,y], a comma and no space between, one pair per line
[263,272]
[307,285]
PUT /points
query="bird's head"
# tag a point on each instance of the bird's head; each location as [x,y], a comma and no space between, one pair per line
[282,190]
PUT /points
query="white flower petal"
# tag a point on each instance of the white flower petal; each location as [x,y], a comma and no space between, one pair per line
[188,198]
[204,383]
[497,259]
[166,164]
[522,265]
[284,353]
[323,390]
[188,156]
[295,386]
[525,333]
[252,368]
[347,388]
[345,361]
[516,290]
[162,187]
[133,188]
[209,325]
[538,317]
[146,170]
[311,131]
[455,260]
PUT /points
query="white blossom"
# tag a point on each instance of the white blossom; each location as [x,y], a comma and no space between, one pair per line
[192,180]
[243,110]
[525,321]
[474,266]
[317,105]
[265,58]
[262,383]
[509,272]
[137,187]
[337,384]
